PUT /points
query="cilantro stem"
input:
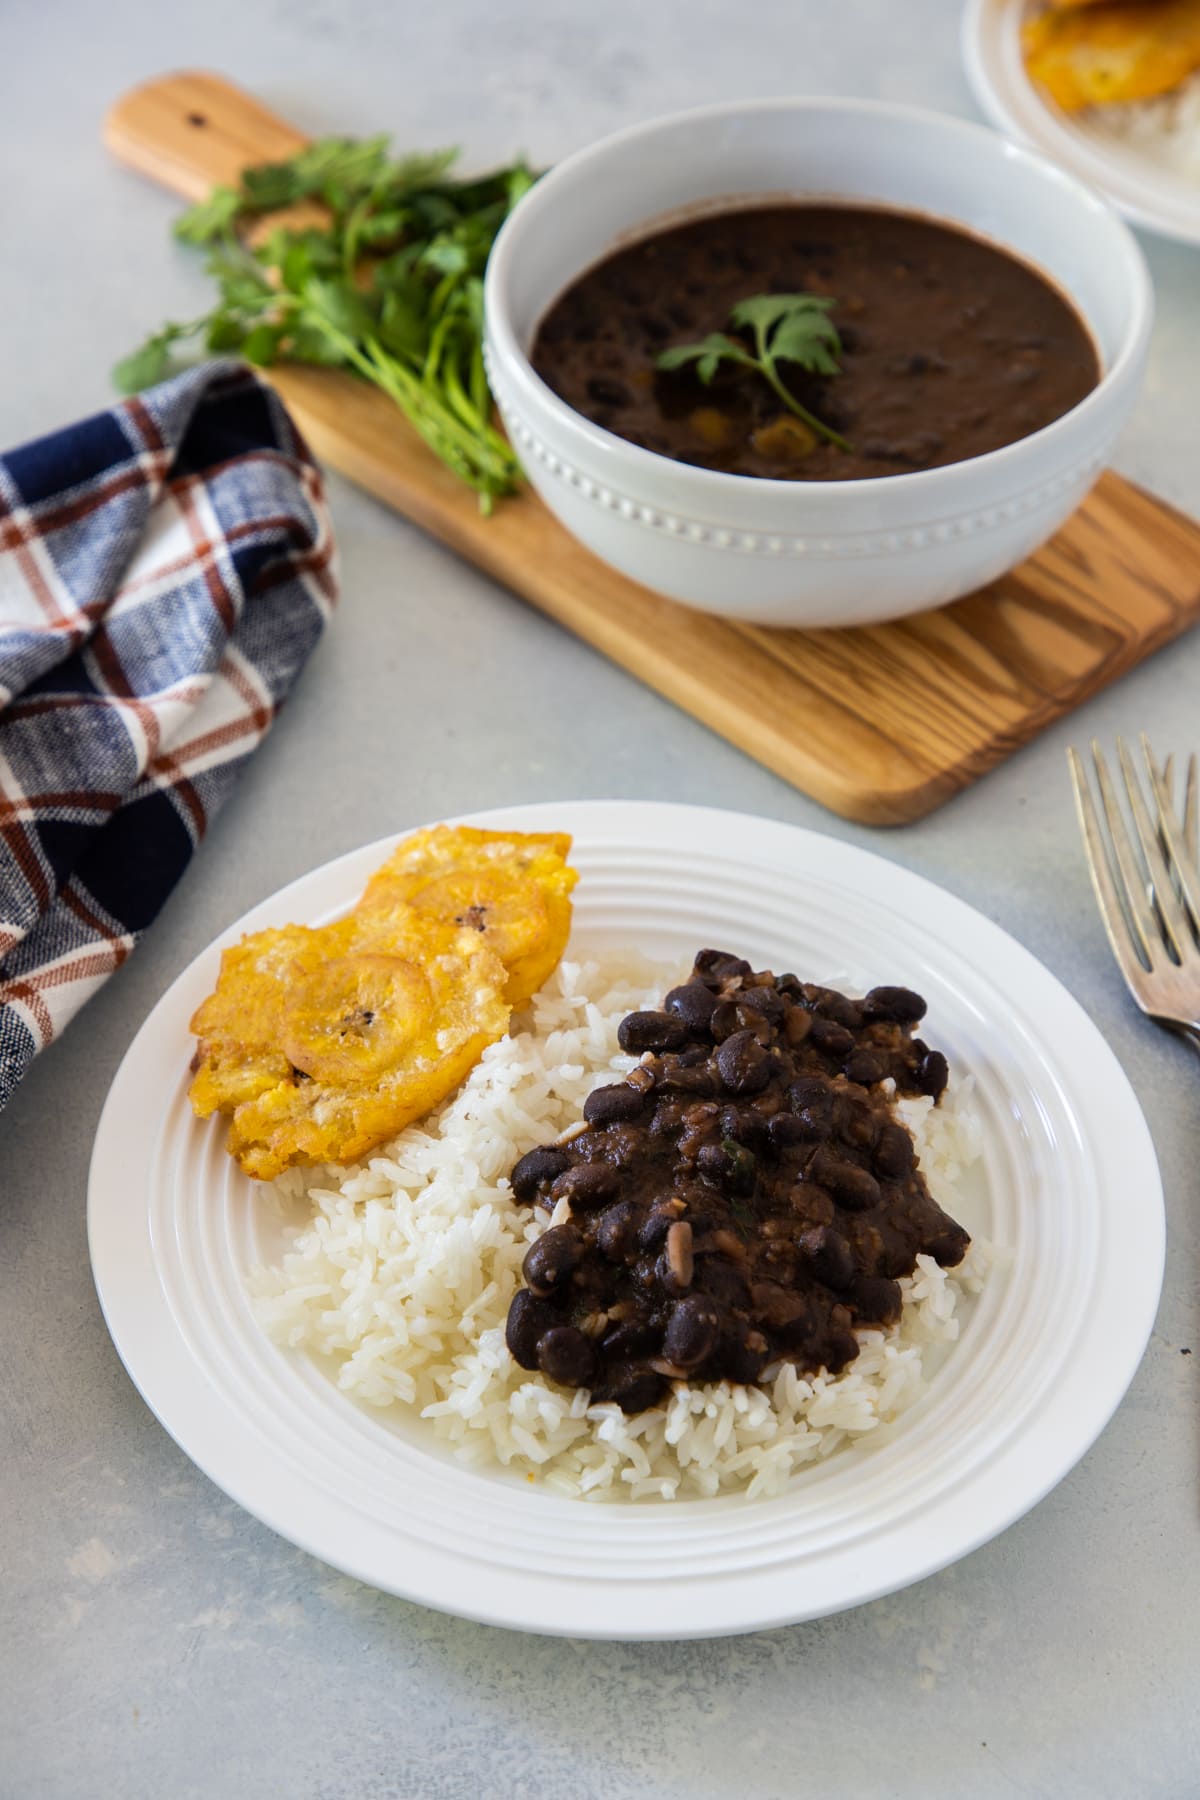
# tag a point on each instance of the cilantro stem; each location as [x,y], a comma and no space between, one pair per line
[390,289]
[770,373]
[786,328]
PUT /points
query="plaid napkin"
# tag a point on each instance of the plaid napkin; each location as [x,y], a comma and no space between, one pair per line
[165,570]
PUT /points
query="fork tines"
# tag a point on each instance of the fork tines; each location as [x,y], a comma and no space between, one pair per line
[1147,883]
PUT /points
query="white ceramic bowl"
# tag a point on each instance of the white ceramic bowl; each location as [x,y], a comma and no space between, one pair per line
[793,552]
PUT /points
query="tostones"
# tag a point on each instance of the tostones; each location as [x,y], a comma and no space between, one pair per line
[1122,51]
[511,888]
[321,1042]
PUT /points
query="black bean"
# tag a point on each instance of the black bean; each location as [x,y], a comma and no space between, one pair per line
[786,1129]
[693,1003]
[535,1167]
[608,1105]
[933,1072]
[565,1355]
[743,1064]
[734,1015]
[642,1031]
[811,1101]
[894,1153]
[616,1232]
[529,1319]
[865,1066]
[764,1000]
[834,1039]
[629,1387]
[668,1116]
[587,1186]
[875,1299]
[835,1006]
[551,1258]
[898,1004]
[745,1125]
[829,1256]
[817,1121]
[841,1345]
[656,1224]
[717,966]
[715,1164]
[692,1332]
[742,1358]
[948,1244]
[854,1188]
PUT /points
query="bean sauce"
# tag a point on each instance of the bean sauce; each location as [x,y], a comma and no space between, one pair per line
[950,347]
[746,1195]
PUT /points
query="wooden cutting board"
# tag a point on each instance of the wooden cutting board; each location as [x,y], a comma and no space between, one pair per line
[880,723]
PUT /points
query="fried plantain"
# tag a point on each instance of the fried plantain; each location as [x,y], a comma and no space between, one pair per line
[511,888]
[1122,50]
[323,1042]
[239,1053]
[375,1039]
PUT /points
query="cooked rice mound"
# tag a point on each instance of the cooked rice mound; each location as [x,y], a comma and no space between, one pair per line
[404,1272]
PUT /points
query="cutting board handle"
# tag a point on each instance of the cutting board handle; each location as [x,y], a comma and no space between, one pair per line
[193,130]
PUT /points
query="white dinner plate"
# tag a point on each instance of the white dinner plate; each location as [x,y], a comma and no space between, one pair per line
[1070,1192]
[1146,191]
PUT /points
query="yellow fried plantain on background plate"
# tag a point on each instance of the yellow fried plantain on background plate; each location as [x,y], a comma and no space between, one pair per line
[512,888]
[1107,54]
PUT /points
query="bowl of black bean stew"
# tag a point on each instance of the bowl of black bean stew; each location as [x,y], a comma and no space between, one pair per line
[813,362]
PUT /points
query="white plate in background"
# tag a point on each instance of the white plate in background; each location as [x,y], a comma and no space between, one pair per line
[1145,191]
[1070,1190]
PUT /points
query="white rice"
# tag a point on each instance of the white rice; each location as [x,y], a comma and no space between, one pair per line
[1165,131]
[404,1272]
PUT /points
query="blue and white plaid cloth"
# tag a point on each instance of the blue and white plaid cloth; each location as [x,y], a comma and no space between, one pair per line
[165,569]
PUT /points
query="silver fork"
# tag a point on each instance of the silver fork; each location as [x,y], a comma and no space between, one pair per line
[1149,896]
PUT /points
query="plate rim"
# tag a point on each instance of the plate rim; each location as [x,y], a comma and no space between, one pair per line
[592,817]
[1132,197]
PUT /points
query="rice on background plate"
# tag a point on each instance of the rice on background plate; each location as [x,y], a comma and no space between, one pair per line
[403,1273]
[1165,131]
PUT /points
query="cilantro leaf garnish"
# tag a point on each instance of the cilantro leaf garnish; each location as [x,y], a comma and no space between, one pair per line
[793,328]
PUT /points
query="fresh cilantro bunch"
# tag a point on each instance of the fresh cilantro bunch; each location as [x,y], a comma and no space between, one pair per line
[784,328]
[391,287]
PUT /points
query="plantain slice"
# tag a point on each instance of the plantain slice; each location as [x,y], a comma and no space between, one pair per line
[239,1053]
[511,889]
[1122,50]
[375,1039]
[352,1019]
[323,1042]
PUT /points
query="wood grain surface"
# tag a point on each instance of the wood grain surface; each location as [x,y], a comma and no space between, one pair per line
[880,723]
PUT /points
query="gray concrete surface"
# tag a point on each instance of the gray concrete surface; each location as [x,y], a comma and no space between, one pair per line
[158,1644]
